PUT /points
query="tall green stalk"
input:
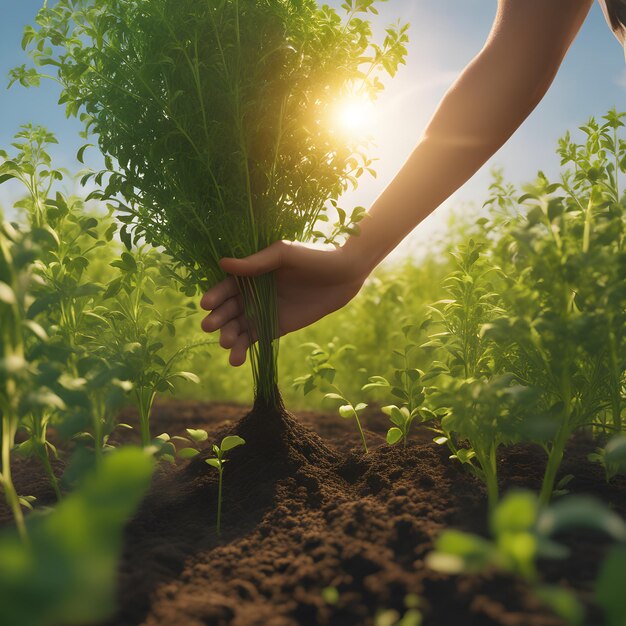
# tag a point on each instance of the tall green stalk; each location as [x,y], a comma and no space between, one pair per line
[12,357]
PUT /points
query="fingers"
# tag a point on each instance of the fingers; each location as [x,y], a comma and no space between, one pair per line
[224,313]
[267,260]
[239,350]
[230,332]
[218,294]
[240,345]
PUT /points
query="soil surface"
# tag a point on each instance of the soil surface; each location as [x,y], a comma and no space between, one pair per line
[305,510]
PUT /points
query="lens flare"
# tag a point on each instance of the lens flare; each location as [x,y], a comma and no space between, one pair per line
[355,115]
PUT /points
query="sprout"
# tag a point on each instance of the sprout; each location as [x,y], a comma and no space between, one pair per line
[228,443]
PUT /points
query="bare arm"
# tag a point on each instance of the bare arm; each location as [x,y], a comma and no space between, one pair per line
[492,97]
[495,93]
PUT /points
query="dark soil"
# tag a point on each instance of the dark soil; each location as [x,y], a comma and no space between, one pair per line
[304,510]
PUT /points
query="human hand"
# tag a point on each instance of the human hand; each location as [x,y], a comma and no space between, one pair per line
[311,283]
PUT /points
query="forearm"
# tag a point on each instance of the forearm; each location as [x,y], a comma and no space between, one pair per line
[485,106]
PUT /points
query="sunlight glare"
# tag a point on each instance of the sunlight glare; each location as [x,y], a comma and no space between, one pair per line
[355,115]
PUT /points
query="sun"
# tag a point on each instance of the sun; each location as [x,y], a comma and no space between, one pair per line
[354,115]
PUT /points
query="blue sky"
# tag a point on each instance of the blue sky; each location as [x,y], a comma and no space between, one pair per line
[445,35]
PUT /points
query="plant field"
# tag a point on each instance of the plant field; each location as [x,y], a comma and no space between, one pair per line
[450,447]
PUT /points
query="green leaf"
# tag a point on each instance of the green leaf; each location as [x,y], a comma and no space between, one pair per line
[73,554]
[12,365]
[563,603]
[576,512]
[81,152]
[187,453]
[216,463]
[376,382]
[188,376]
[230,442]
[334,396]
[457,552]
[346,411]
[198,435]
[394,435]
[609,586]
[615,452]
[7,295]
[516,512]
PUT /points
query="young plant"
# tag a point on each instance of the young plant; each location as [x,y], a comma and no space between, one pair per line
[322,374]
[472,303]
[485,414]
[563,332]
[522,533]
[21,391]
[215,119]
[218,462]
[71,564]
[137,329]
[612,457]
[408,387]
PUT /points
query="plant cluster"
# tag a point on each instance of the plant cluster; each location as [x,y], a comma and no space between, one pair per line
[533,328]
[215,122]
[87,328]
[523,532]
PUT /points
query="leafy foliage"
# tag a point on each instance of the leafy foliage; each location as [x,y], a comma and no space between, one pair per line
[68,573]
[214,120]
[407,386]
[321,375]
[523,533]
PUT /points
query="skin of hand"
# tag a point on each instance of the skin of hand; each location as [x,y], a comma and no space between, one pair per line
[495,93]
[311,283]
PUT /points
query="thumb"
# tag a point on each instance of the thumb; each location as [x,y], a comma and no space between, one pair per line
[262,262]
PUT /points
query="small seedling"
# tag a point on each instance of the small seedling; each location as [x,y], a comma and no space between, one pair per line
[347,410]
[407,384]
[612,457]
[228,443]
[322,374]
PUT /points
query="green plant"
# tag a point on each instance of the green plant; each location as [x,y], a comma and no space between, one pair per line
[214,122]
[218,462]
[563,267]
[473,302]
[408,386]
[21,390]
[322,374]
[411,616]
[522,532]
[612,457]
[68,573]
[486,414]
[137,328]
[609,588]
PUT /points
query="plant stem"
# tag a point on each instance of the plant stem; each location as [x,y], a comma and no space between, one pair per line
[7,480]
[587,227]
[45,460]
[98,411]
[145,409]
[554,462]
[491,478]
[260,303]
[219,503]
[358,423]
